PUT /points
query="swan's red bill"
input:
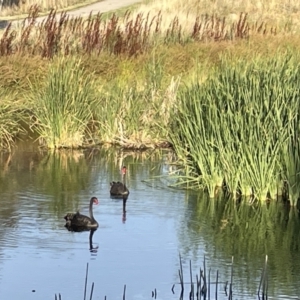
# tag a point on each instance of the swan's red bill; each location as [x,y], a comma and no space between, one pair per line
[95,201]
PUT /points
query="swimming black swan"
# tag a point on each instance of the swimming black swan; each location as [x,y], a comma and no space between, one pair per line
[77,220]
[119,189]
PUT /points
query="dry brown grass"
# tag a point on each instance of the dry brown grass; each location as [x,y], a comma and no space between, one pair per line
[131,35]
[276,13]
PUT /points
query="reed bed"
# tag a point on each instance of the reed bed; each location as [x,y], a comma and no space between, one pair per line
[64,106]
[238,128]
[9,120]
[133,117]
[64,35]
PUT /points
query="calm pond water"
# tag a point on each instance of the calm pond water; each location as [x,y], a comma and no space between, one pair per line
[40,258]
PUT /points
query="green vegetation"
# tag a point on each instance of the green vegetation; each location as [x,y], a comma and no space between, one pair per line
[64,105]
[9,118]
[241,127]
[223,93]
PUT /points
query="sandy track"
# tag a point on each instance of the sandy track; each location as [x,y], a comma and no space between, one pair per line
[101,6]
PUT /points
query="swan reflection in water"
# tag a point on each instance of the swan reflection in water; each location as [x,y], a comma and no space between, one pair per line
[124,200]
[124,208]
[92,249]
[81,229]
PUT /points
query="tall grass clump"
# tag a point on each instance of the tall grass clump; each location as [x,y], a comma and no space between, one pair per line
[63,106]
[10,116]
[137,114]
[235,127]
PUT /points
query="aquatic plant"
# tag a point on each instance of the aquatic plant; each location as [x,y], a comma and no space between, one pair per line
[136,116]
[10,117]
[63,105]
[234,126]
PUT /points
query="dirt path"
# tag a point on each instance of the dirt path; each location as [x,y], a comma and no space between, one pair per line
[101,6]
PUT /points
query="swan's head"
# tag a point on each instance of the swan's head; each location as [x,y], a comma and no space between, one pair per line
[124,170]
[95,200]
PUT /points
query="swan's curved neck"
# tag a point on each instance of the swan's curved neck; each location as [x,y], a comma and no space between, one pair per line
[91,210]
[124,181]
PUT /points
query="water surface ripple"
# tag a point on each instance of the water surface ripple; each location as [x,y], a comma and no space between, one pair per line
[40,257]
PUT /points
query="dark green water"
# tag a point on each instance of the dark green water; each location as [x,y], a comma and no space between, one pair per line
[39,257]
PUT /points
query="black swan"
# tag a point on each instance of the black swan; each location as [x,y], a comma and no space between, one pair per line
[77,220]
[119,189]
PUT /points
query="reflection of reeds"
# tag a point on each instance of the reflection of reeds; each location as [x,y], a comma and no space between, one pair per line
[263,284]
[274,227]
[203,282]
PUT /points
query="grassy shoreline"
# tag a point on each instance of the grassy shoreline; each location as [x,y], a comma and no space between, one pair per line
[140,83]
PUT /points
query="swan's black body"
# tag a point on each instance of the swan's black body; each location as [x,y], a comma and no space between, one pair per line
[79,221]
[119,189]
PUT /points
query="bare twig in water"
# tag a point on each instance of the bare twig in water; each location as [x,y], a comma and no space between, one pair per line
[216,296]
[208,288]
[197,287]
[231,278]
[86,278]
[202,283]
[225,288]
[181,275]
[192,284]
[264,281]
[59,296]
[204,289]
[124,292]
[92,289]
